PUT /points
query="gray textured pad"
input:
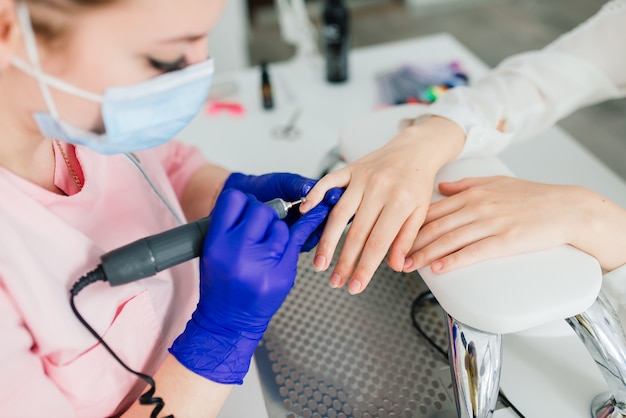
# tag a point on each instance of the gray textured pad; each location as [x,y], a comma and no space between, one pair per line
[329,354]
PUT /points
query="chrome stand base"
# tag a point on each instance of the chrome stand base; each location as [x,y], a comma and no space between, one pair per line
[475,360]
[600,330]
[603,406]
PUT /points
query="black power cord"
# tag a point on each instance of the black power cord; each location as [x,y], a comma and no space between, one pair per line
[146,398]
[416,306]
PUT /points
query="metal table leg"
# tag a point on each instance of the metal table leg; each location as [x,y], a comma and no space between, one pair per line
[600,330]
[475,362]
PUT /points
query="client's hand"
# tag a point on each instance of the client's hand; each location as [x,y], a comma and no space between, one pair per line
[247,268]
[499,216]
[387,194]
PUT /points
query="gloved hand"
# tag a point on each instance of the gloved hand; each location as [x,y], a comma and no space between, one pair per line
[247,267]
[266,187]
[286,186]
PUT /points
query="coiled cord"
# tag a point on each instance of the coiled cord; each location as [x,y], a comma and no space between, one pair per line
[146,398]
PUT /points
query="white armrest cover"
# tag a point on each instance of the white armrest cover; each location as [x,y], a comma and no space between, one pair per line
[515,293]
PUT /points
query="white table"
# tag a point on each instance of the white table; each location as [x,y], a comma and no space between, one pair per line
[532,378]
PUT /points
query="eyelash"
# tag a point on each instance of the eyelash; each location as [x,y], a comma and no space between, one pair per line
[168,66]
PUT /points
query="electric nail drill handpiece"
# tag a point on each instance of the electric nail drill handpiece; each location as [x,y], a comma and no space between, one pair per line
[148,256]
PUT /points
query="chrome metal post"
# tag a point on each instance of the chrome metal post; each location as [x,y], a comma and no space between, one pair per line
[475,362]
[601,331]
[330,161]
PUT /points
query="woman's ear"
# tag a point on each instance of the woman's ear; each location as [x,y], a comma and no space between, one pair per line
[8,32]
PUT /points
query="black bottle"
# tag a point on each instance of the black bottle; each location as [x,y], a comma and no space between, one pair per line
[336,40]
[266,88]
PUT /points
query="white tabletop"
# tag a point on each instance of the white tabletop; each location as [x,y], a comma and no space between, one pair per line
[246,144]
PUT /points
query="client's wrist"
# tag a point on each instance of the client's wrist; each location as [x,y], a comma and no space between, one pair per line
[439,138]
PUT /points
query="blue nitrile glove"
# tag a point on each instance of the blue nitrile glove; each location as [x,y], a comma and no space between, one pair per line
[286,186]
[266,187]
[330,199]
[247,267]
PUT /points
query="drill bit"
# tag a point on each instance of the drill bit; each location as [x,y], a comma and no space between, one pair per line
[296,202]
[282,207]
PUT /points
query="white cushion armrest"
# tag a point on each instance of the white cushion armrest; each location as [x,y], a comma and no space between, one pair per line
[515,293]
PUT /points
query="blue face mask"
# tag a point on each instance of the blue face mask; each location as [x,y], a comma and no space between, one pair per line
[135,117]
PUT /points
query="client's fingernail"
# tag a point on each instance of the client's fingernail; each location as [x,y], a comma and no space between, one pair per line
[437,266]
[319,263]
[335,280]
[355,286]
[408,263]
[305,206]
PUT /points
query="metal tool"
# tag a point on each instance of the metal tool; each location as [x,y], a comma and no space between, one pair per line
[282,207]
[289,131]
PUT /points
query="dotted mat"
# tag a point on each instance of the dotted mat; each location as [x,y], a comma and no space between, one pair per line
[329,354]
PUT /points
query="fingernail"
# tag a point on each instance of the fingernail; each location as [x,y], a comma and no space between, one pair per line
[319,263]
[437,266]
[354,287]
[305,206]
[408,263]
[335,280]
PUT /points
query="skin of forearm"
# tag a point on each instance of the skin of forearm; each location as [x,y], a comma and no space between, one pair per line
[441,138]
[202,190]
[602,232]
[184,393]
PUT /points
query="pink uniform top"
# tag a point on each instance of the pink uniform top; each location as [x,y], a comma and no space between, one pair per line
[49,363]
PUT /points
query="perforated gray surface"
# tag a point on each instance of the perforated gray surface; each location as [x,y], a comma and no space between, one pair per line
[329,354]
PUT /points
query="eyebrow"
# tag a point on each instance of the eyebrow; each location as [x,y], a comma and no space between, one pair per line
[184,38]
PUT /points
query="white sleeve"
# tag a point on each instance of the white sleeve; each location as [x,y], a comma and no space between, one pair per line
[531,91]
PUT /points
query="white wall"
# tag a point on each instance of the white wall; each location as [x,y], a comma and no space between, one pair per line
[228,42]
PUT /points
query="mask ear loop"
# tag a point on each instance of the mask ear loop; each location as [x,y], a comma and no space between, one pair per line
[31,50]
[35,71]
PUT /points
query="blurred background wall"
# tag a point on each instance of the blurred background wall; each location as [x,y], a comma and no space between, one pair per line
[492,29]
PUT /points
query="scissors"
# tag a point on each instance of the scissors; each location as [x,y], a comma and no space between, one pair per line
[289,131]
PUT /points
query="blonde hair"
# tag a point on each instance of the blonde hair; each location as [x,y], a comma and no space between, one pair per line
[42,12]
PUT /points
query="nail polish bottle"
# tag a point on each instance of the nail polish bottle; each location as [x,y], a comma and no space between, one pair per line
[266,88]
[336,40]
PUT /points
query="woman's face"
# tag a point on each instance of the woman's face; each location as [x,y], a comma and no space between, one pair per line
[126,42]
